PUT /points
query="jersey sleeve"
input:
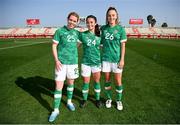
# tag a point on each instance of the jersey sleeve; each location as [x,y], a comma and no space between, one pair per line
[123,36]
[79,37]
[82,36]
[56,38]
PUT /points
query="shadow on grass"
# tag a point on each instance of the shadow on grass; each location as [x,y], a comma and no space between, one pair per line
[37,85]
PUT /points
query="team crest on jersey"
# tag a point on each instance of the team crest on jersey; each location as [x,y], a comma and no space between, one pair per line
[105,31]
[87,37]
[115,31]
[66,33]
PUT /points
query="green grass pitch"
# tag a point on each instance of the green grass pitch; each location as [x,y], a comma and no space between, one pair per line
[151,81]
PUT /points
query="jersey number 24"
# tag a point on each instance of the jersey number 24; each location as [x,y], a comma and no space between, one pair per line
[90,42]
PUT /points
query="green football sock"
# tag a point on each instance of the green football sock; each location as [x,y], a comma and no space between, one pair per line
[108,92]
[70,89]
[57,98]
[97,89]
[85,90]
[119,90]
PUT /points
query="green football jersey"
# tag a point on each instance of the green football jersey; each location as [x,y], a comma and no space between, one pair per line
[67,45]
[111,38]
[91,50]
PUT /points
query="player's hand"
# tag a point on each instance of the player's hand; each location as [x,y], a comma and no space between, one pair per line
[121,64]
[58,65]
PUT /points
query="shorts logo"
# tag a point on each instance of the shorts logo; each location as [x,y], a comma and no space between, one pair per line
[76,71]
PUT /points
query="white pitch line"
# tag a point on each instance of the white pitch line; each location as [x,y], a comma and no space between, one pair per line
[11,47]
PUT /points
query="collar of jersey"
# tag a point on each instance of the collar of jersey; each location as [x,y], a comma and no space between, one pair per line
[112,26]
[67,28]
[91,32]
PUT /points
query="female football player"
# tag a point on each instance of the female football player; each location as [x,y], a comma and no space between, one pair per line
[113,39]
[91,61]
[65,55]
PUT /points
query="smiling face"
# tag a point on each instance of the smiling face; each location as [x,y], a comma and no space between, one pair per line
[72,22]
[112,17]
[90,22]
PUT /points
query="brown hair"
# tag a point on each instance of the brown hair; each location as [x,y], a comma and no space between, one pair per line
[74,14]
[97,31]
[112,8]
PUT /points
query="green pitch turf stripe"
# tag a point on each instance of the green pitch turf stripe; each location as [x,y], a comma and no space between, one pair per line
[11,47]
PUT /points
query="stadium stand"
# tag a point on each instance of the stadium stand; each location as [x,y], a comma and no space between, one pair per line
[132,32]
[155,32]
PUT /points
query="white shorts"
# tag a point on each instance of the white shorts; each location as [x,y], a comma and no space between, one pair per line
[86,70]
[69,71]
[111,67]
